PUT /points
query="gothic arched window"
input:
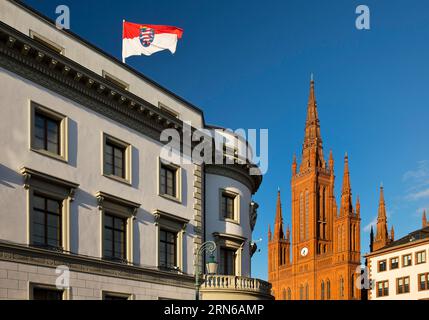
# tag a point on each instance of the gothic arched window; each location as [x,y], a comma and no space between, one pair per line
[328,289]
[306,291]
[322,290]
[341,287]
[289,294]
[307,214]
[301,217]
[284,294]
[301,292]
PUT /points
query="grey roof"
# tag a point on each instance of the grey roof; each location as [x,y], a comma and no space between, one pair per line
[413,236]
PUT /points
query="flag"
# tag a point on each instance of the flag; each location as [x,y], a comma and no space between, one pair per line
[138,39]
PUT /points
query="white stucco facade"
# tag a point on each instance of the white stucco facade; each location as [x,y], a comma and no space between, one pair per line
[71,88]
[391,275]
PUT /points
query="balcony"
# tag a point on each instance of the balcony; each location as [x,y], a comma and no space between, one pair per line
[223,287]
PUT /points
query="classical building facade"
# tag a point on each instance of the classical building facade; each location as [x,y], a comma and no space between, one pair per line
[398,269]
[319,257]
[89,207]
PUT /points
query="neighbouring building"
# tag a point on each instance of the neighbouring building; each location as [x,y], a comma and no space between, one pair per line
[398,269]
[324,242]
[84,191]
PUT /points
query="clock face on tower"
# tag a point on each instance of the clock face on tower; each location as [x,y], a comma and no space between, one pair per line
[304,251]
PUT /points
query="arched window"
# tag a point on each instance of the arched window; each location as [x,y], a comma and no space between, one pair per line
[322,290]
[328,290]
[307,215]
[284,294]
[289,294]
[301,292]
[306,291]
[341,287]
[301,217]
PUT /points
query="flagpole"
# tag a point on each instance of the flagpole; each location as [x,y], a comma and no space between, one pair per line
[123,30]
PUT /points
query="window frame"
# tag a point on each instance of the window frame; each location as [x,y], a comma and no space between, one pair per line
[65,293]
[120,295]
[233,252]
[175,224]
[114,230]
[175,265]
[411,260]
[177,180]
[236,205]
[62,154]
[403,285]
[383,289]
[114,206]
[379,265]
[52,187]
[425,256]
[391,265]
[126,161]
[426,275]
[115,81]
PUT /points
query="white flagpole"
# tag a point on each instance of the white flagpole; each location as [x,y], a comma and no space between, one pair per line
[123,25]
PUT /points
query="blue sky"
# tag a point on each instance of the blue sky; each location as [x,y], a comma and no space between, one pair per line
[247,64]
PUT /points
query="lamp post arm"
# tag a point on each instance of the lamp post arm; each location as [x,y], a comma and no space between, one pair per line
[209,246]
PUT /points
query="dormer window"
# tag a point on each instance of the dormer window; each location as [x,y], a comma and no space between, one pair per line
[47,43]
[115,81]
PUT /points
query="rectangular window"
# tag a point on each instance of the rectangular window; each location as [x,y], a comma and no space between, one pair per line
[46,222]
[47,294]
[167,180]
[227,261]
[406,260]
[382,266]
[403,285]
[423,281]
[420,257]
[382,288]
[114,243]
[167,249]
[47,133]
[114,159]
[394,263]
[227,204]
[115,296]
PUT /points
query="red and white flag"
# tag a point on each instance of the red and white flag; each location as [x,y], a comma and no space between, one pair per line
[138,39]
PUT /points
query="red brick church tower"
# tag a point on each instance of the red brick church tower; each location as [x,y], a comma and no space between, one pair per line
[325,242]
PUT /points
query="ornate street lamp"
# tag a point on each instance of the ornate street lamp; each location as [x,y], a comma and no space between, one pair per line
[211,264]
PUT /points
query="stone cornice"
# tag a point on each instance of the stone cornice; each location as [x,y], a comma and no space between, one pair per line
[45,258]
[31,60]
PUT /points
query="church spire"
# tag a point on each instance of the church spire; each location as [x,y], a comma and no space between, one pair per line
[381,236]
[424,220]
[278,225]
[346,193]
[312,151]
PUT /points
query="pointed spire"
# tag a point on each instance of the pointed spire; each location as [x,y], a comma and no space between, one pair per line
[288,233]
[424,220]
[269,233]
[278,225]
[346,193]
[392,234]
[357,206]
[331,162]
[294,165]
[381,236]
[312,151]
[371,239]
